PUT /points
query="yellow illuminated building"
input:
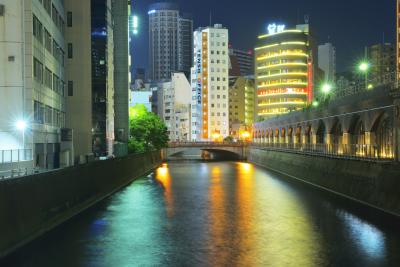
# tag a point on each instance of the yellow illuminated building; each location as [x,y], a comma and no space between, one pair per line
[241,104]
[283,70]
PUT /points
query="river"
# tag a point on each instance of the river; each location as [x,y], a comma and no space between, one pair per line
[218,214]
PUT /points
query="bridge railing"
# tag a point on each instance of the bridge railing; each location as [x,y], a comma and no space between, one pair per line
[204,144]
[352,151]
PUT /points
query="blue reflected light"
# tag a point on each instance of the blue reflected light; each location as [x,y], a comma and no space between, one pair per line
[369,238]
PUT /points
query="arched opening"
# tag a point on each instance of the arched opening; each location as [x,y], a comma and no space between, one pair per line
[384,138]
[276,135]
[359,138]
[283,135]
[307,135]
[290,135]
[298,135]
[321,133]
[337,138]
[271,136]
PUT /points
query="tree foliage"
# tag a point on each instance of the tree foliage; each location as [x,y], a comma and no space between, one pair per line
[147,131]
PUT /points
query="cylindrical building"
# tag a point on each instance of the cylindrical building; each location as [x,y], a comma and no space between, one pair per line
[283,70]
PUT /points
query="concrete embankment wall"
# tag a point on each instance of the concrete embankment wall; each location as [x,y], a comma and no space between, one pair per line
[373,184]
[32,205]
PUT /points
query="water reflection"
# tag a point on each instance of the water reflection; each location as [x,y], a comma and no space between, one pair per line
[368,238]
[216,214]
[164,178]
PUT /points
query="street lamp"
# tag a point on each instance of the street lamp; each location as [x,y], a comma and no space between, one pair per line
[315,104]
[21,126]
[364,68]
[326,88]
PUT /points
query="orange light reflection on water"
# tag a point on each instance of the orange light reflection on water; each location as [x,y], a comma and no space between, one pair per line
[163,176]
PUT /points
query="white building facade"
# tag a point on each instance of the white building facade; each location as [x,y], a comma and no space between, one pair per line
[174,106]
[32,83]
[210,84]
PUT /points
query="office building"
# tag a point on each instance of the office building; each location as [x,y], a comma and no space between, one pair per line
[174,106]
[327,61]
[241,62]
[32,83]
[170,41]
[382,58]
[242,94]
[120,20]
[210,83]
[284,70]
[91,76]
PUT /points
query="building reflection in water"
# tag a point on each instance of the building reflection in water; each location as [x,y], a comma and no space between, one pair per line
[163,176]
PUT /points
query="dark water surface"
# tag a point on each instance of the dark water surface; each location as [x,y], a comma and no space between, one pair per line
[218,214]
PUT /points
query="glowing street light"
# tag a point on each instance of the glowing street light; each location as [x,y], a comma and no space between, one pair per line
[21,125]
[315,104]
[326,88]
[364,67]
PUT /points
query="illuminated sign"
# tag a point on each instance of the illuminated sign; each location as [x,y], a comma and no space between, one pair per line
[199,81]
[134,25]
[151,12]
[273,28]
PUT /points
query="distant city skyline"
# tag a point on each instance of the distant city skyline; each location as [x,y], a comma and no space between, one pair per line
[246,21]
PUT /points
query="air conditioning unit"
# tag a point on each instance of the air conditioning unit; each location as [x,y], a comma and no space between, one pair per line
[2,10]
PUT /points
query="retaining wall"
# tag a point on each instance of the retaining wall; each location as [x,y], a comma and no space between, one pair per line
[371,183]
[32,205]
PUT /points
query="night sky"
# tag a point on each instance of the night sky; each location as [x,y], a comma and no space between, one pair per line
[349,24]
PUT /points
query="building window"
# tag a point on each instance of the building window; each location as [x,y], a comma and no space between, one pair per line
[47,40]
[38,70]
[70,50]
[70,88]
[37,29]
[69,19]
[48,78]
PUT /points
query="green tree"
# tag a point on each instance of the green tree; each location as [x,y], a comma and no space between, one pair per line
[147,131]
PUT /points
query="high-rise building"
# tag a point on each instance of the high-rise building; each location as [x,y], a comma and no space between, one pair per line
[242,94]
[327,61]
[241,62]
[32,83]
[170,41]
[91,76]
[382,58]
[121,76]
[210,83]
[284,70]
[79,77]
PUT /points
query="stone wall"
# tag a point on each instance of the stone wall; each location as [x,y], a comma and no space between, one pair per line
[33,205]
[371,183]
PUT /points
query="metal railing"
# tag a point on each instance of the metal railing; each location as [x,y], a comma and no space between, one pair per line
[388,79]
[204,144]
[352,151]
[15,155]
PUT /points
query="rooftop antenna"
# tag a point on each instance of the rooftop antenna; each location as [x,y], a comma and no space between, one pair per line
[306,19]
[210,18]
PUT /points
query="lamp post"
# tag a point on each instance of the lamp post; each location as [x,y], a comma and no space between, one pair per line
[326,89]
[21,125]
[364,68]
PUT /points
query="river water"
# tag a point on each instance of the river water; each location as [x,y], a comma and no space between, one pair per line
[219,214]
